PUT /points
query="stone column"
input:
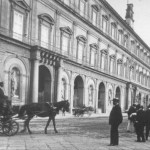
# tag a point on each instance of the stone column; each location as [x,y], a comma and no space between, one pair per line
[129,89]
[71,94]
[57,31]
[107,67]
[99,54]
[59,72]
[35,57]
[116,64]
[96,96]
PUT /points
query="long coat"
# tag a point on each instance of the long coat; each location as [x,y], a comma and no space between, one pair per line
[115,117]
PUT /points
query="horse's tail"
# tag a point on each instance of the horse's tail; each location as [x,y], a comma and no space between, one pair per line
[22,111]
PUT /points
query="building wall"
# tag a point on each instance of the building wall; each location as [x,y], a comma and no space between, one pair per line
[104,59]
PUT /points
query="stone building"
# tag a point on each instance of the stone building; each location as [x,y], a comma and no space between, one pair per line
[80,50]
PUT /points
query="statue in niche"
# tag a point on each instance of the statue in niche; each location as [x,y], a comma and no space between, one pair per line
[14,82]
[90,94]
[110,97]
[62,89]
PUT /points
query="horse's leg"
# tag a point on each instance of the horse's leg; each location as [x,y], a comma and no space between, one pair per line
[54,124]
[48,122]
[27,124]
[24,125]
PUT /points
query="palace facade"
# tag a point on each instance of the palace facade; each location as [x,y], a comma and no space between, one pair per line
[80,50]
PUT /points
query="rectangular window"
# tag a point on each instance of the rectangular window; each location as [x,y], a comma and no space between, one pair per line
[120,37]
[65,44]
[103,62]
[125,41]
[18,26]
[113,31]
[82,7]
[44,36]
[94,17]
[104,25]
[92,57]
[80,51]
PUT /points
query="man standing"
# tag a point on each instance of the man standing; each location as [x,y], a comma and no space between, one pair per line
[115,119]
[139,124]
[147,117]
[131,110]
[2,96]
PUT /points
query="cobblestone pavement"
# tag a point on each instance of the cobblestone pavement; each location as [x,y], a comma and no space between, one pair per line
[86,133]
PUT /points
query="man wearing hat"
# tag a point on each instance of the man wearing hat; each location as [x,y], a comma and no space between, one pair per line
[1,91]
[115,119]
[139,124]
[147,122]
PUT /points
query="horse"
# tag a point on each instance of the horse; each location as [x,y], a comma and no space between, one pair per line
[42,110]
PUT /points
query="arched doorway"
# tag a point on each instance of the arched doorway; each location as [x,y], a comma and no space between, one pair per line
[118,93]
[101,97]
[78,92]
[146,100]
[139,99]
[44,85]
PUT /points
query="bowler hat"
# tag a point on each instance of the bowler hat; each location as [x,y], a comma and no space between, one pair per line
[1,83]
[115,100]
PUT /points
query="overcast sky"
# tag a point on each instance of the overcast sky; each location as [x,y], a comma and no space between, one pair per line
[141,16]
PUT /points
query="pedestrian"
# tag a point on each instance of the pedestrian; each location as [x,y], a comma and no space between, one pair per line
[2,96]
[147,122]
[131,110]
[139,124]
[115,119]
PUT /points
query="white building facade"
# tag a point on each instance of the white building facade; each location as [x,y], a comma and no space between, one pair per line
[80,50]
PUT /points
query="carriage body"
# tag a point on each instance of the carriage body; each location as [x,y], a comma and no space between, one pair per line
[8,126]
[80,111]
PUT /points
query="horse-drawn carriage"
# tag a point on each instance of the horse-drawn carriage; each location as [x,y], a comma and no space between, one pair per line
[8,126]
[80,111]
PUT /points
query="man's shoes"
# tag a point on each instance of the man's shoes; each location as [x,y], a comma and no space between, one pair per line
[137,140]
[112,145]
[128,131]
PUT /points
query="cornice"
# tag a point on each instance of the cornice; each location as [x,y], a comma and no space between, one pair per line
[111,9]
[14,41]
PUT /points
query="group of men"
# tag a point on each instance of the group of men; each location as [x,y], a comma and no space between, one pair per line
[140,119]
[136,115]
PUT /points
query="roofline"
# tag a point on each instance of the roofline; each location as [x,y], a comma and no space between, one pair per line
[112,10]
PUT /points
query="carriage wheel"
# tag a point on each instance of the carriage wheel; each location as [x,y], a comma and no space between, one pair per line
[10,128]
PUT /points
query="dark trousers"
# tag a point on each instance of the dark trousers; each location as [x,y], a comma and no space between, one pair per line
[139,128]
[147,130]
[114,135]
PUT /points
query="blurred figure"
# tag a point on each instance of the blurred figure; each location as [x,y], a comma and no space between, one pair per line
[147,122]
[115,119]
[131,110]
[139,124]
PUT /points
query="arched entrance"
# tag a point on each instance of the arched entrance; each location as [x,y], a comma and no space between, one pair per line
[44,85]
[139,99]
[78,92]
[118,93]
[146,101]
[101,97]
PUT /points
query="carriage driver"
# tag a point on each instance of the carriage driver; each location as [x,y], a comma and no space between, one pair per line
[2,95]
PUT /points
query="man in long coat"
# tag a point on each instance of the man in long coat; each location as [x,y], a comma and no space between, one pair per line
[115,119]
[147,122]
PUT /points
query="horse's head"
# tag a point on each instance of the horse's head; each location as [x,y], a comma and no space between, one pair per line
[66,105]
